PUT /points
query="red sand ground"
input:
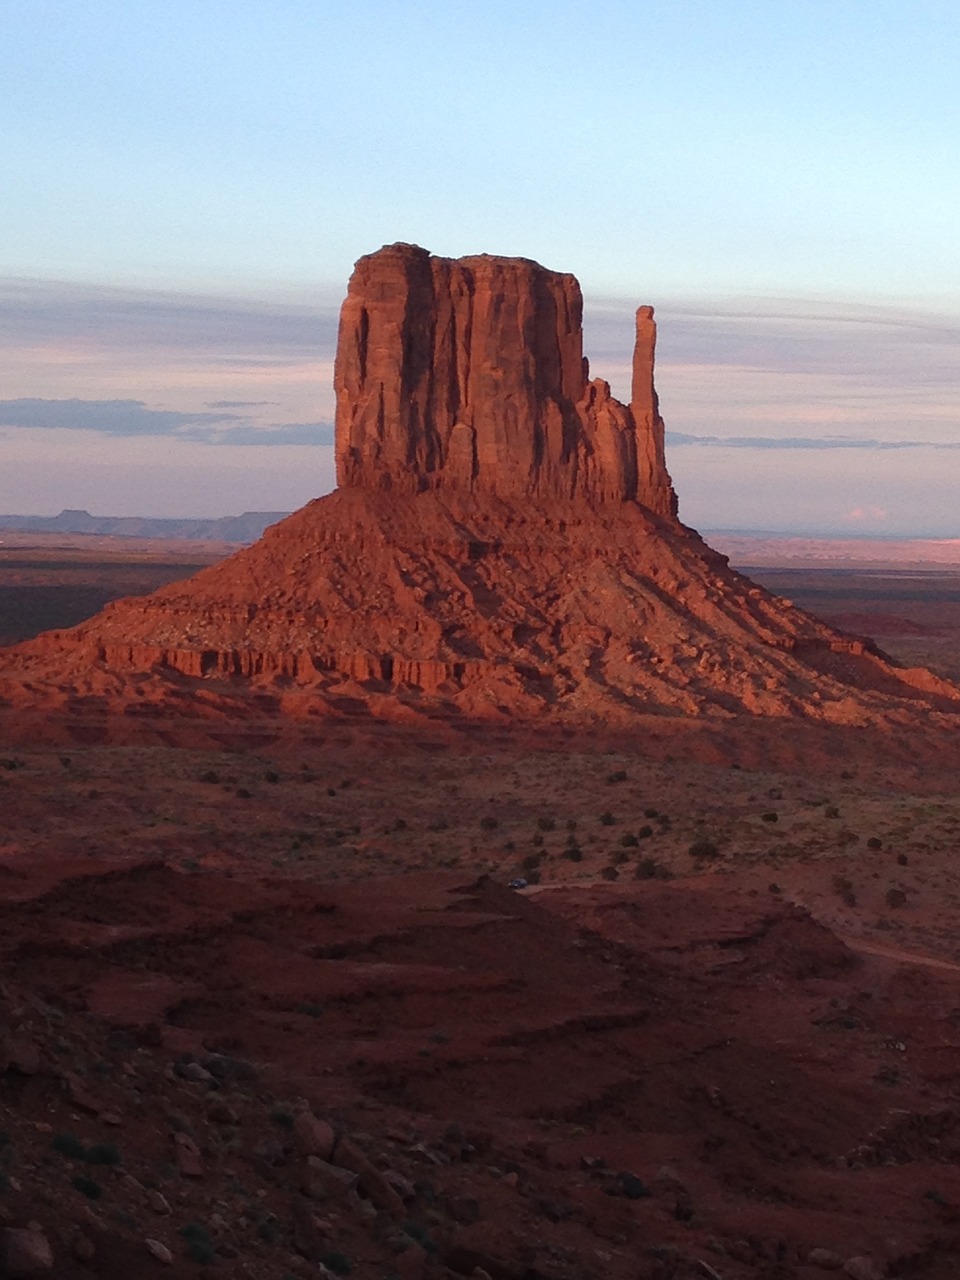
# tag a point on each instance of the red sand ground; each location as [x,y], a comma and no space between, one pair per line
[505,1059]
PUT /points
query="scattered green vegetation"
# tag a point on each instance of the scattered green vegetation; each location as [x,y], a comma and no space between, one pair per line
[703,848]
[70,1146]
[199,1245]
[651,869]
[337,1262]
[88,1187]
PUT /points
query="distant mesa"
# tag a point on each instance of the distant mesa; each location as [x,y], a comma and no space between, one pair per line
[244,528]
[504,543]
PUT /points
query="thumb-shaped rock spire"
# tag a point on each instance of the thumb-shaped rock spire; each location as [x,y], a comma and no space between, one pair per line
[654,488]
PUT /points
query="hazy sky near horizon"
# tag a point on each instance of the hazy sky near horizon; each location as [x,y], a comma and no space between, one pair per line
[188,186]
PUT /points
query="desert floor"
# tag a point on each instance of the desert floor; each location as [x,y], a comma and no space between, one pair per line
[717,1034]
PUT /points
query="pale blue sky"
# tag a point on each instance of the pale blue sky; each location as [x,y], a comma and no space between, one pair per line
[781,160]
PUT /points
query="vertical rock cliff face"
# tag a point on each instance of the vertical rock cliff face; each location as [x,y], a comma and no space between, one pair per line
[469,375]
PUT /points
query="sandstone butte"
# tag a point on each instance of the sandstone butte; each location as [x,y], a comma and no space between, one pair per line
[503,542]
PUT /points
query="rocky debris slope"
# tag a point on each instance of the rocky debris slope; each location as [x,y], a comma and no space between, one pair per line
[503,544]
[431,1077]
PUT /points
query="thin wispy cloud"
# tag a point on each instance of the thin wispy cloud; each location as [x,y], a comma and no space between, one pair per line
[805,442]
[788,411]
[39,311]
[238,404]
[132,418]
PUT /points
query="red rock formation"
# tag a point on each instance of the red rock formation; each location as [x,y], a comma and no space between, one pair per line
[504,542]
[469,375]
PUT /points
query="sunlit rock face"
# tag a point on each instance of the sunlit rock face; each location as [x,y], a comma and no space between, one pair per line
[503,543]
[469,374]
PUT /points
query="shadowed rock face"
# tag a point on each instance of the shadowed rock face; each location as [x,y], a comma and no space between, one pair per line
[469,375]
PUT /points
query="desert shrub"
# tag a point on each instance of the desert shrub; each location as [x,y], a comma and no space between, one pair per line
[773,887]
[337,1262]
[610,873]
[651,813]
[282,1118]
[271,776]
[645,833]
[488,823]
[703,848]
[547,824]
[88,1187]
[651,869]
[68,1145]
[896,898]
[619,776]
[844,888]
[573,853]
[538,839]
[269,1229]
[629,840]
[831,811]
[532,860]
[874,843]
[199,1245]
[770,817]
[102,1153]
[607,819]
[902,859]
[416,1231]
[244,794]
[631,1186]
[209,776]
